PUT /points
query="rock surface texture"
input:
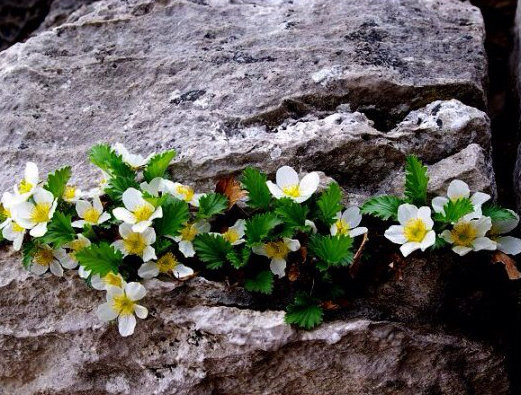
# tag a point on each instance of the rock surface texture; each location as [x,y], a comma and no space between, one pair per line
[346,87]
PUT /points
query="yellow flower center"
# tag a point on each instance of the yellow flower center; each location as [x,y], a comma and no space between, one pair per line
[292,190]
[91,215]
[69,193]
[463,234]
[17,228]
[415,230]
[113,279]
[277,249]
[43,257]
[123,305]
[76,246]
[189,232]
[25,186]
[342,227]
[167,263]
[40,213]
[186,192]
[5,212]
[135,244]
[231,235]
[142,213]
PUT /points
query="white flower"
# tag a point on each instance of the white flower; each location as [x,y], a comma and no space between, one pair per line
[153,187]
[136,243]
[507,244]
[234,235]
[187,236]
[91,214]
[469,235]
[25,189]
[182,192]
[35,216]
[74,247]
[133,160]
[167,263]
[312,225]
[100,190]
[107,281]
[15,233]
[72,194]
[347,222]
[277,251]
[415,229]
[137,212]
[458,190]
[288,185]
[121,304]
[45,258]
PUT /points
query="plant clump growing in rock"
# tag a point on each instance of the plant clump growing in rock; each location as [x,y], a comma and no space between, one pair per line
[138,224]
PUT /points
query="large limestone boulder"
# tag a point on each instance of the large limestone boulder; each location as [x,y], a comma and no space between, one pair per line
[346,87]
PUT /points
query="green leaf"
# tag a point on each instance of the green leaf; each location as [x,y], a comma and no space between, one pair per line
[100,259]
[239,259]
[118,185]
[103,156]
[454,210]
[333,250]
[259,227]
[384,207]
[253,181]
[416,180]
[212,250]
[57,181]
[158,165]
[439,243]
[162,245]
[211,204]
[291,213]
[304,312]
[59,230]
[262,283]
[175,215]
[28,251]
[329,203]
[497,213]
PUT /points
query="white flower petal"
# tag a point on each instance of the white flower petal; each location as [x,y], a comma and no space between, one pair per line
[38,269]
[124,215]
[278,267]
[479,198]
[39,230]
[78,224]
[81,207]
[181,271]
[186,248]
[395,233]
[482,225]
[120,246]
[141,226]
[56,269]
[103,217]
[293,245]
[135,291]
[106,313]
[148,270]
[424,213]
[141,311]
[125,230]
[31,173]
[149,253]
[259,250]
[126,324]
[203,226]
[447,236]
[43,196]
[409,247]
[309,184]
[149,235]
[358,231]
[458,189]
[461,250]
[312,225]
[484,243]
[438,203]
[509,245]
[428,240]
[406,212]
[286,176]
[352,216]
[132,198]
[275,190]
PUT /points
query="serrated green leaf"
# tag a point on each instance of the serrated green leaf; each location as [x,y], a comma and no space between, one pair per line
[332,250]
[259,227]
[212,249]
[416,180]
[59,230]
[158,165]
[162,245]
[329,203]
[292,214]
[239,259]
[304,312]
[100,259]
[118,185]
[262,283]
[497,213]
[175,214]
[259,196]
[211,204]
[384,207]
[454,210]
[28,251]
[57,181]
[103,156]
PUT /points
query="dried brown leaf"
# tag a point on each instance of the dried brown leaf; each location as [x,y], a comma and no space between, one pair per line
[510,264]
[231,188]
